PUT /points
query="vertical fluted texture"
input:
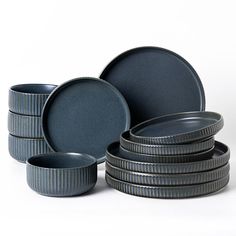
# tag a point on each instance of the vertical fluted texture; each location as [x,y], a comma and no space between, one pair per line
[21,148]
[167,179]
[169,168]
[27,104]
[167,192]
[24,126]
[61,182]
[165,149]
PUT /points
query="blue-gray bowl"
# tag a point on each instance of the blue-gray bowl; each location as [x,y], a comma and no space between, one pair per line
[29,99]
[61,174]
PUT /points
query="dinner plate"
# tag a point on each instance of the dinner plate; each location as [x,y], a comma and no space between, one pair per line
[155,82]
[181,158]
[178,128]
[193,163]
[177,192]
[167,179]
[84,115]
[171,149]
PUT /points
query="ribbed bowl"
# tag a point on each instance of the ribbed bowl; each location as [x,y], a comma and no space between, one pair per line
[61,174]
[24,125]
[23,148]
[29,99]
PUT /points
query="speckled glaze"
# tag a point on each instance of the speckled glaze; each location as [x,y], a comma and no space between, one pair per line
[155,82]
[84,115]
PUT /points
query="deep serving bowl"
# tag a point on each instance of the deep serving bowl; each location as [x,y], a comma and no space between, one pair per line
[61,174]
[29,99]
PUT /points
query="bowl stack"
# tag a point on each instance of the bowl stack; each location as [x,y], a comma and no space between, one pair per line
[24,120]
[173,156]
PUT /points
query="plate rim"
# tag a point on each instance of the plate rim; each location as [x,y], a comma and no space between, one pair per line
[68,83]
[135,49]
[179,138]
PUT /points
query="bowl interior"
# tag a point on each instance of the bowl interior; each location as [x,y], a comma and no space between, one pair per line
[62,160]
[34,88]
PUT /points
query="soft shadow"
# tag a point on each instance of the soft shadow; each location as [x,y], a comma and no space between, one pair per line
[101,186]
[101,166]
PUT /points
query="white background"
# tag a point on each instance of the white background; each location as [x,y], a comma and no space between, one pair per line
[54,41]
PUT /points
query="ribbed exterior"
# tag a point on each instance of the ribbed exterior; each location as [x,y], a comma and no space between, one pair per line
[165,149]
[167,192]
[171,168]
[165,179]
[183,158]
[203,133]
[26,103]
[61,182]
[24,126]
[21,148]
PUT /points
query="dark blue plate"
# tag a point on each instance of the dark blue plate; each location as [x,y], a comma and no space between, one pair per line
[84,115]
[155,82]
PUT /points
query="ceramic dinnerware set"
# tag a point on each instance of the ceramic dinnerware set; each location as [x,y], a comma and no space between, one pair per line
[24,120]
[149,98]
[173,156]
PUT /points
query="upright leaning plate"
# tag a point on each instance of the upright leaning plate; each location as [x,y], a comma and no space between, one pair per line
[178,128]
[84,115]
[155,82]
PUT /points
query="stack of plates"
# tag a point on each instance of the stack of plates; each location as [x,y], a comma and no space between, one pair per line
[24,120]
[173,156]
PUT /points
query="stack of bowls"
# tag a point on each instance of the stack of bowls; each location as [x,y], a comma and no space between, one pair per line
[26,102]
[174,156]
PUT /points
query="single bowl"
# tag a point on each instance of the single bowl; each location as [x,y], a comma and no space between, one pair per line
[24,125]
[61,174]
[29,99]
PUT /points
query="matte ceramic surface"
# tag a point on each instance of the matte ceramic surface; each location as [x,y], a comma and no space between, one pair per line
[134,156]
[61,174]
[176,192]
[178,128]
[84,115]
[155,82]
[116,157]
[170,149]
[23,148]
[166,179]
[24,125]
[28,99]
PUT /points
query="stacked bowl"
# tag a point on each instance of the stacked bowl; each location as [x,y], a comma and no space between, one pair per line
[26,102]
[173,156]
